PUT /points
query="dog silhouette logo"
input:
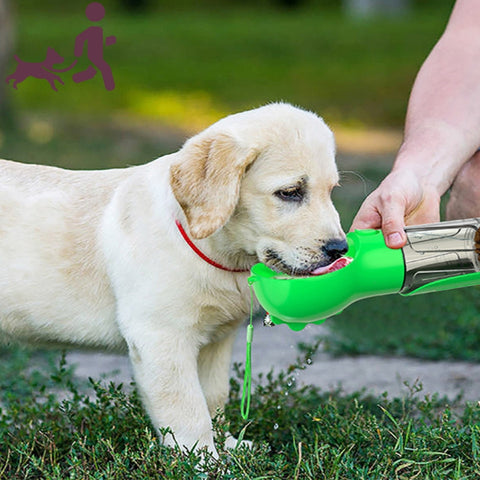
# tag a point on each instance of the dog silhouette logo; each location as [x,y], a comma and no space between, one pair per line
[38,69]
[92,37]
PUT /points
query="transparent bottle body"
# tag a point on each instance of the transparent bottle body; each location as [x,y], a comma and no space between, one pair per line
[439,251]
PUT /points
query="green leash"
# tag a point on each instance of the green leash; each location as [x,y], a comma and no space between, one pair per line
[247,379]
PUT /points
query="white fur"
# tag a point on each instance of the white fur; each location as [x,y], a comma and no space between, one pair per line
[94,258]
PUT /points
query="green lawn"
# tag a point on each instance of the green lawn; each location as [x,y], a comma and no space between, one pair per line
[190,67]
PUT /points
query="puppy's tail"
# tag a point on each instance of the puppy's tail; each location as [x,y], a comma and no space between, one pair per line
[60,70]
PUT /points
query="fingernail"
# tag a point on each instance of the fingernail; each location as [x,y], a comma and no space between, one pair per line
[394,239]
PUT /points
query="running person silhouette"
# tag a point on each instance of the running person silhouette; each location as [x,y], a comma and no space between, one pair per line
[93,37]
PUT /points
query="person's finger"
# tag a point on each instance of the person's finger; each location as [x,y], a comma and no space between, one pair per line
[367,216]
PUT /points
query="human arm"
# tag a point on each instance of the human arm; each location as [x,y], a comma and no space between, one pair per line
[442,131]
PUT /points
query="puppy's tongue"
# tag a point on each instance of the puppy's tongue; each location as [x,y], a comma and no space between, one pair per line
[336,265]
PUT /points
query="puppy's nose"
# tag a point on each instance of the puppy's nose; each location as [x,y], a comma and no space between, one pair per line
[335,248]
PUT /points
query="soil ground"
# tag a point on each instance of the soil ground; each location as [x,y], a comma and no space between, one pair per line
[276,347]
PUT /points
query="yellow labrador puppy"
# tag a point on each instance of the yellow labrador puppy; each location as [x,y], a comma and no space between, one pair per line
[154,259]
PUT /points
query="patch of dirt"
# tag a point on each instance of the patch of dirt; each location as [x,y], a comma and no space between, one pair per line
[276,347]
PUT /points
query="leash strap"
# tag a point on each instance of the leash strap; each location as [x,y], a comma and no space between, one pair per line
[247,379]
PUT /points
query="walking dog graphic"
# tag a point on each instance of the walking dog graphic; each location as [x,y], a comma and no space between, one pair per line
[92,37]
[39,69]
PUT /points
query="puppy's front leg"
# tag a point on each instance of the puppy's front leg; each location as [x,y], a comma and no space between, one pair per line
[165,366]
[214,372]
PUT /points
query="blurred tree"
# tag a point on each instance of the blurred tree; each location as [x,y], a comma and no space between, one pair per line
[6,45]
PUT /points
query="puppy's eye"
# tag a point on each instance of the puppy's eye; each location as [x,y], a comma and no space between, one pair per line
[295,194]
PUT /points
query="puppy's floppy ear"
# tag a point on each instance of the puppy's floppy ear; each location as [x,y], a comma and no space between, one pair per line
[206,181]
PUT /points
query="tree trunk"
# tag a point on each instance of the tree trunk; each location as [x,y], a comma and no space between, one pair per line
[6,45]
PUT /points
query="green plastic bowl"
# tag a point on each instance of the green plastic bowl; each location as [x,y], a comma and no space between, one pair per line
[298,301]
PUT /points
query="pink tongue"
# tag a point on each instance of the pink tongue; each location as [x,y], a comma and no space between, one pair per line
[336,265]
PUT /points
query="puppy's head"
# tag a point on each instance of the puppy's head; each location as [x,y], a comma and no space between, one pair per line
[262,180]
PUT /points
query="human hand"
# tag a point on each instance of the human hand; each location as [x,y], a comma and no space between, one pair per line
[401,199]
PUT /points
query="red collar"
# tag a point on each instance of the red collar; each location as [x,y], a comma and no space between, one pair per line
[200,253]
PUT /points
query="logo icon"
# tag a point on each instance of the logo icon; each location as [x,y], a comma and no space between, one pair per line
[92,38]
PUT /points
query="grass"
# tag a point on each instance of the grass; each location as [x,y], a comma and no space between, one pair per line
[190,67]
[69,142]
[434,326]
[299,433]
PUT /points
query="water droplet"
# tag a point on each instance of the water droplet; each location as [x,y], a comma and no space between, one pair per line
[286,394]
[279,407]
[275,427]
[309,361]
